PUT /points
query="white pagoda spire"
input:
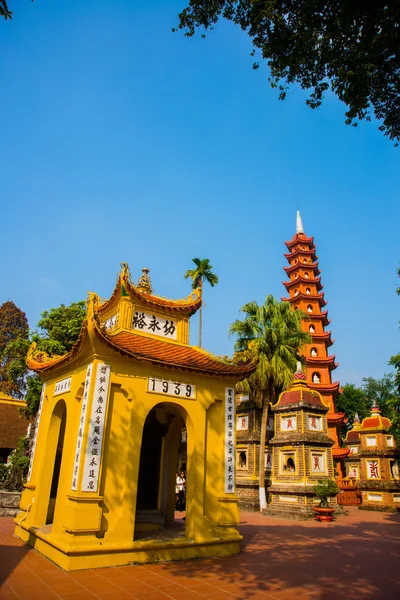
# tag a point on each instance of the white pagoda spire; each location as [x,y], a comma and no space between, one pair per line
[299,223]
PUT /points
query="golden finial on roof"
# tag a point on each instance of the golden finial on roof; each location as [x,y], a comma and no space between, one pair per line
[144,282]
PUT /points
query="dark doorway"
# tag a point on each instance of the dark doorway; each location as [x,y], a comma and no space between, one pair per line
[56,469]
[150,457]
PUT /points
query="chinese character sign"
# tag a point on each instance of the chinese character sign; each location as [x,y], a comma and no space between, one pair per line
[314,423]
[81,426]
[36,432]
[94,446]
[229,440]
[62,386]
[288,423]
[318,462]
[111,322]
[242,423]
[160,326]
[373,469]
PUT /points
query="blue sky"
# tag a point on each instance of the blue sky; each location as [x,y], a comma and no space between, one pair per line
[121,141]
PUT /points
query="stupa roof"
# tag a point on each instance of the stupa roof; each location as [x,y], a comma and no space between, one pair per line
[300,394]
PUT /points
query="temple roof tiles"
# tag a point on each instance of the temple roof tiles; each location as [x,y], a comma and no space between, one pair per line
[340,452]
[298,251]
[375,422]
[300,279]
[173,354]
[323,360]
[311,266]
[124,286]
[352,437]
[299,238]
[319,297]
[337,417]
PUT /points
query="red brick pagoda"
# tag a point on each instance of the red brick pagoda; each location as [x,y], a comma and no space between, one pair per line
[304,288]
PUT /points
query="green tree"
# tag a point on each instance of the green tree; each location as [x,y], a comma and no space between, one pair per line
[202,272]
[395,360]
[14,329]
[57,331]
[273,334]
[348,47]
[4,10]
[352,400]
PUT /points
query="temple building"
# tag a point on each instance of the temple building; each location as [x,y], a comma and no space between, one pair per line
[301,450]
[305,293]
[373,462]
[12,425]
[101,484]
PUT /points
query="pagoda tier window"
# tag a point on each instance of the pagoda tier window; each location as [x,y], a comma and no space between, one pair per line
[304,260]
[296,308]
[309,308]
[311,329]
[242,459]
[306,275]
[314,352]
[296,292]
[316,378]
[308,291]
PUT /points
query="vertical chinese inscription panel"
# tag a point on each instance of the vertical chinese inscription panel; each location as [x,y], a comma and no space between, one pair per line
[82,420]
[94,446]
[229,441]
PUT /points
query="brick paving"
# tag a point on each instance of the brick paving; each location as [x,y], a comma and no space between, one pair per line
[356,557]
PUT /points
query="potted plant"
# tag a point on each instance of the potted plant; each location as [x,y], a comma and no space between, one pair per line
[323,491]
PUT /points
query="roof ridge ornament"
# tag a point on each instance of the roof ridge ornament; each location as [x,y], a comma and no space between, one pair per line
[375,410]
[144,282]
[299,375]
[299,223]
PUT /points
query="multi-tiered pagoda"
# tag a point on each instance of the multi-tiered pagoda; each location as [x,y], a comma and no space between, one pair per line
[304,288]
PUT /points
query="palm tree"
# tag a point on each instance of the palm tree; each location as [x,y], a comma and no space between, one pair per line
[272,333]
[202,272]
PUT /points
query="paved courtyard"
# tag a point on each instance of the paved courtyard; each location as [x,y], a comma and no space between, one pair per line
[356,557]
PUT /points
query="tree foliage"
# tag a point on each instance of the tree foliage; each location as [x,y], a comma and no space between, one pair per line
[272,334]
[347,46]
[14,329]
[395,360]
[202,272]
[57,331]
[4,10]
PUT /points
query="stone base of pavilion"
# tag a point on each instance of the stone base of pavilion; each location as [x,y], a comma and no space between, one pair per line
[100,554]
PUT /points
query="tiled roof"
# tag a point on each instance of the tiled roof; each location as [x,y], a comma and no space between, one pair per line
[340,452]
[300,393]
[352,436]
[337,417]
[376,422]
[187,306]
[299,238]
[174,355]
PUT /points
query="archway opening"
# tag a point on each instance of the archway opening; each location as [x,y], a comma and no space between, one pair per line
[60,412]
[161,488]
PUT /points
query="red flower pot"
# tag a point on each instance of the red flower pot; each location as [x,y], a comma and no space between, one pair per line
[325,515]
